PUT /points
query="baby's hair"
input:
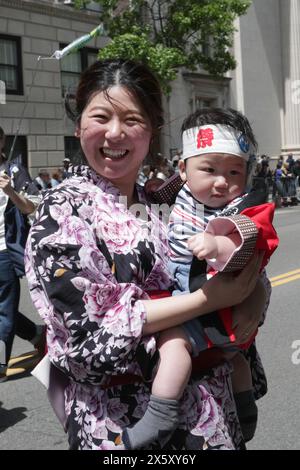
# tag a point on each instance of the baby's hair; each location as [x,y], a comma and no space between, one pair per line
[228,117]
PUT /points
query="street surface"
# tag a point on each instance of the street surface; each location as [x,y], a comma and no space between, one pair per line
[27,421]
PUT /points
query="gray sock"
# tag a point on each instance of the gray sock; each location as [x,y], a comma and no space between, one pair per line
[247,413]
[159,421]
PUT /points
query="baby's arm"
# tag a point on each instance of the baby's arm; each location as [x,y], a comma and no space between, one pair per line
[220,247]
[241,234]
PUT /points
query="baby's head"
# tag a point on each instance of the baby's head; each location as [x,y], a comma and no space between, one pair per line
[217,159]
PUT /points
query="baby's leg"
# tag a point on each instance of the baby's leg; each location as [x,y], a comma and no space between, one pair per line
[244,396]
[175,364]
[161,416]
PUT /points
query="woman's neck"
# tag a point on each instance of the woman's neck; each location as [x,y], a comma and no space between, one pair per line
[129,192]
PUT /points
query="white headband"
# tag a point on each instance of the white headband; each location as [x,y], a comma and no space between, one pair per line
[215,139]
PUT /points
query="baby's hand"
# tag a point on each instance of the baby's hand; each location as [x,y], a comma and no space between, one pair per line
[203,246]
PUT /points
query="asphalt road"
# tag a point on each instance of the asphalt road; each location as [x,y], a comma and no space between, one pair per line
[279,410]
[27,421]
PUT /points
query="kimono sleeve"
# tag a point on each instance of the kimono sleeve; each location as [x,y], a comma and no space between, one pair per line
[248,234]
[94,323]
[267,239]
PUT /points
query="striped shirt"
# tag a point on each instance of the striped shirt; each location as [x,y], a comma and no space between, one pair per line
[190,217]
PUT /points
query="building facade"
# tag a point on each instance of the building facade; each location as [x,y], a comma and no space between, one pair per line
[265,85]
[34,100]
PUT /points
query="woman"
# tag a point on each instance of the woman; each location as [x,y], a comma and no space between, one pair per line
[93,267]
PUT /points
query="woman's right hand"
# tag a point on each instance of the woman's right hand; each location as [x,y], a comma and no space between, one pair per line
[5,184]
[228,289]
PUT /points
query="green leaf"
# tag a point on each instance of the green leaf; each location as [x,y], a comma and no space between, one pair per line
[167,35]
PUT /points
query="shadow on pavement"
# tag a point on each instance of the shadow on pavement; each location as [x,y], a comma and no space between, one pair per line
[9,418]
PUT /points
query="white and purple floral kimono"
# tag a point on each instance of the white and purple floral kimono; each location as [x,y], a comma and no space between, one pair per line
[94,317]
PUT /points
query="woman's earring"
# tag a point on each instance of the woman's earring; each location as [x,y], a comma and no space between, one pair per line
[77,132]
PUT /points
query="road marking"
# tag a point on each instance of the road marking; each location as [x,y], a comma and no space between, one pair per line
[289,273]
[286,277]
[23,357]
[23,363]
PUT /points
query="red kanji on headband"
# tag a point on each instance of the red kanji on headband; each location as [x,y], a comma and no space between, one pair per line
[205,138]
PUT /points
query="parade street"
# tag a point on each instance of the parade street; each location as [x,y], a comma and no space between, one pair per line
[27,421]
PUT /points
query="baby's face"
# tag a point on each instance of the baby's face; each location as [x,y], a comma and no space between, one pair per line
[214,179]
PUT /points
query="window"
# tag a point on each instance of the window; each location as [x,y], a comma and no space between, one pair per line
[206,47]
[73,149]
[11,64]
[20,148]
[93,6]
[88,6]
[73,64]
[200,102]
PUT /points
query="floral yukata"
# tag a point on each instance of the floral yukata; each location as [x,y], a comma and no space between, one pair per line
[89,264]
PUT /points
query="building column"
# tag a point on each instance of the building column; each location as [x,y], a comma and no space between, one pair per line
[237,85]
[290,29]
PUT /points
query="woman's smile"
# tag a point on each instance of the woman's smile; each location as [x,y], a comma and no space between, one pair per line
[113,154]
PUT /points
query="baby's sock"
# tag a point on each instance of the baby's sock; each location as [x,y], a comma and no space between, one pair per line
[160,419]
[247,413]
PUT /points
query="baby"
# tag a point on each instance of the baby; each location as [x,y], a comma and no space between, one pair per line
[216,165]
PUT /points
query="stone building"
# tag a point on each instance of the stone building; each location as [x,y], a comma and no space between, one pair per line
[265,85]
[34,101]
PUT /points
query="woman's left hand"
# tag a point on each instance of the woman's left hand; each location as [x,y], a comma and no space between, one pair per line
[247,315]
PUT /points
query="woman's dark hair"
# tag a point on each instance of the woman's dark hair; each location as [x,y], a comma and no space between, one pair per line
[136,77]
[228,117]
[2,134]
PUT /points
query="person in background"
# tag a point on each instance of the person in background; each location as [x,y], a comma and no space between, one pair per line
[165,169]
[43,180]
[66,164]
[277,192]
[280,160]
[261,178]
[56,178]
[14,177]
[144,175]
[291,162]
[289,185]
[296,171]
[175,159]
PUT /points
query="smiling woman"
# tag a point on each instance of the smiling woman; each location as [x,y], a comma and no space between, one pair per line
[100,281]
[115,136]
